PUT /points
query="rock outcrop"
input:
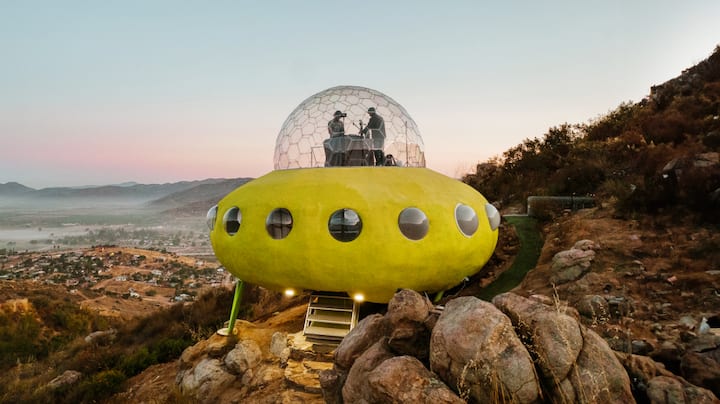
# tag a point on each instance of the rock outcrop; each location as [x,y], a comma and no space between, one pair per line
[571,264]
[260,363]
[515,349]
[654,384]
[69,377]
[475,349]
[702,369]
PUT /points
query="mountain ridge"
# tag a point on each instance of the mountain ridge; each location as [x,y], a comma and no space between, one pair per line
[143,192]
[14,188]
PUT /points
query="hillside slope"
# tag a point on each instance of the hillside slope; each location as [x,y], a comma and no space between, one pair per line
[659,154]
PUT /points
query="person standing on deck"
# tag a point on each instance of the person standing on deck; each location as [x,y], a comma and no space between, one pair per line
[336,127]
[376,127]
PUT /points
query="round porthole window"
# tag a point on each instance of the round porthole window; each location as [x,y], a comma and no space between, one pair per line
[413,223]
[345,225]
[231,220]
[210,217]
[493,216]
[466,219]
[279,223]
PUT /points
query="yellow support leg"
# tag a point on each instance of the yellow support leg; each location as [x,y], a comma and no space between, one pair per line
[230,330]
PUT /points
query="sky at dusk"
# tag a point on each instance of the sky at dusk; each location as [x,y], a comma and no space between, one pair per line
[104,92]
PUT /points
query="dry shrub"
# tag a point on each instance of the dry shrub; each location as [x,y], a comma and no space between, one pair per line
[711,66]
[90,359]
[612,124]
[668,127]
[544,210]
[695,108]
[651,160]
[632,139]
[696,184]
[97,387]
[209,309]
[615,188]
[712,91]
[712,139]
[582,178]
[652,194]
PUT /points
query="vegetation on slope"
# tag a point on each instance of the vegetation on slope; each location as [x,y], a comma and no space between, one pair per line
[639,156]
[41,321]
[51,336]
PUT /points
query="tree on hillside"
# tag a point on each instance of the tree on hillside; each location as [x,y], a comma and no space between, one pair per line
[524,170]
[639,155]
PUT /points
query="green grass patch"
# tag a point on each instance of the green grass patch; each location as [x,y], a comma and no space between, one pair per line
[531,244]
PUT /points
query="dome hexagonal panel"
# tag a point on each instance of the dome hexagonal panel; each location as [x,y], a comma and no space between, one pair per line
[300,141]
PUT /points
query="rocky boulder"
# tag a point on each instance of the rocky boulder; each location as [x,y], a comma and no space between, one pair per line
[406,317]
[260,362]
[653,383]
[670,390]
[67,378]
[571,264]
[101,337]
[246,355]
[405,379]
[554,338]
[575,363]
[365,334]
[207,379]
[356,386]
[594,307]
[474,348]
[515,349]
[701,369]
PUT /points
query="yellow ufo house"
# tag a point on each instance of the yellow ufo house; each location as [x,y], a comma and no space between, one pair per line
[329,219]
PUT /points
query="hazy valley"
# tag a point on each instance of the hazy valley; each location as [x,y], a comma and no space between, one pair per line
[167,217]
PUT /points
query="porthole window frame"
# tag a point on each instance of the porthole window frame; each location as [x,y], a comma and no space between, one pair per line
[409,233]
[211,217]
[351,235]
[493,215]
[284,229]
[460,226]
[226,221]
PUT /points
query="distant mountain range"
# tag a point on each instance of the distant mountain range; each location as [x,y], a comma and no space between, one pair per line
[14,189]
[175,195]
[198,199]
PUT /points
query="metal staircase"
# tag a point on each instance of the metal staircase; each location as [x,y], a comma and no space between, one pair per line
[329,317]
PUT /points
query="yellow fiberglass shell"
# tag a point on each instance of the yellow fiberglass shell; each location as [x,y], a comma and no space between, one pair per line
[376,263]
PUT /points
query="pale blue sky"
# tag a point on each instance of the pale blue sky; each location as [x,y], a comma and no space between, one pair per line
[97,92]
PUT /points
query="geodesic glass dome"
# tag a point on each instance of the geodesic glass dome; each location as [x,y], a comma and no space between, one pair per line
[300,141]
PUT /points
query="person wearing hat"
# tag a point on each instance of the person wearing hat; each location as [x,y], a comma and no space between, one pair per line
[376,127]
[336,127]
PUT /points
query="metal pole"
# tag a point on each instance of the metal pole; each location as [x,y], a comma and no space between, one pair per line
[407,156]
[235,309]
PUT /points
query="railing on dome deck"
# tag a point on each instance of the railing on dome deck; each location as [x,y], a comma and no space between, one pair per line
[343,150]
